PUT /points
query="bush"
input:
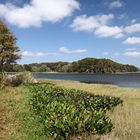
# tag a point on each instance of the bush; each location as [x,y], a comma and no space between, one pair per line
[27,78]
[67,113]
[11,80]
[17,79]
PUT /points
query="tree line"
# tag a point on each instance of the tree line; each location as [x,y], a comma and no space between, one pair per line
[87,65]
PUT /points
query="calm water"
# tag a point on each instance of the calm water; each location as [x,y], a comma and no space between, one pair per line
[123,80]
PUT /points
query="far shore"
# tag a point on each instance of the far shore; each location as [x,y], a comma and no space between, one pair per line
[76,72]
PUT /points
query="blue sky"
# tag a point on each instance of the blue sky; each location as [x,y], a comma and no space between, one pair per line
[69,30]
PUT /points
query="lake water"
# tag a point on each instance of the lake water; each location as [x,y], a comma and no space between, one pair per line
[123,80]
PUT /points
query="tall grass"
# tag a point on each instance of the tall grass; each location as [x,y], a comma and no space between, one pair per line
[16,79]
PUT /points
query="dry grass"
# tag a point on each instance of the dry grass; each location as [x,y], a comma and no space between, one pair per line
[126,118]
[8,121]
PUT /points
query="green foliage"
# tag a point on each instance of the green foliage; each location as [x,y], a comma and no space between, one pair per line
[8,48]
[87,65]
[93,65]
[67,113]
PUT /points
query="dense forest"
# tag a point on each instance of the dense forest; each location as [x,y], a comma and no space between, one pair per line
[87,65]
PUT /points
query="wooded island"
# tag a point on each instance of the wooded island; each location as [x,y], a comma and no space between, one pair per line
[87,65]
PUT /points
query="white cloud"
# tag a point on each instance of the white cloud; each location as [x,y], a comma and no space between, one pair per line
[106,53]
[132,53]
[37,54]
[65,50]
[38,11]
[131,49]
[132,41]
[107,31]
[113,54]
[116,4]
[89,24]
[123,16]
[116,54]
[133,21]
[98,25]
[132,28]
[43,54]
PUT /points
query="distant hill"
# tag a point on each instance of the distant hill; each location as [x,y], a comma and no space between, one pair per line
[87,65]
[93,65]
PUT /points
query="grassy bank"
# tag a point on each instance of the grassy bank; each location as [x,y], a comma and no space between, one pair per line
[17,122]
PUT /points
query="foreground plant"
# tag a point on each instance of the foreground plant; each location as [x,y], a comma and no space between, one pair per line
[67,113]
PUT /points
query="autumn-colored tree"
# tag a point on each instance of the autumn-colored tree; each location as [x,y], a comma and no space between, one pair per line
[8,49]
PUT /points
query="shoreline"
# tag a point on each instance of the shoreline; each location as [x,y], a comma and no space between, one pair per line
[88,83]
[126,80]
[74,72]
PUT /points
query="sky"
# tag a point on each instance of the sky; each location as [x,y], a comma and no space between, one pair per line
[70,30]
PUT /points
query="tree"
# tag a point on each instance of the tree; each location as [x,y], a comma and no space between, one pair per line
[8,49]
[17,68]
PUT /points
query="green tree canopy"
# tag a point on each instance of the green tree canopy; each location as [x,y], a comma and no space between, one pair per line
[8,49]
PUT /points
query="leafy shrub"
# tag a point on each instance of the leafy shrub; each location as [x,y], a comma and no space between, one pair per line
[64,119]
[68,113]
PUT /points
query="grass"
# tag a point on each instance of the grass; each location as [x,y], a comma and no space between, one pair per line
[7,115]
[16,119]
[17,122]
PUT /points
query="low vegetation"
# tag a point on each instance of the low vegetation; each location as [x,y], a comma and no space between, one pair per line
[71,113]
[20,122]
